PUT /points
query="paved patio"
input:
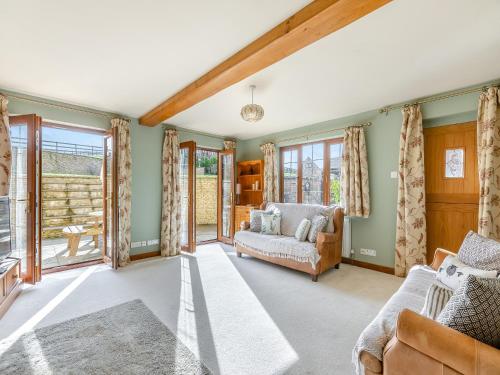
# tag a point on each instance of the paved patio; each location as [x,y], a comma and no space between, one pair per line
[55,252]
[206,232]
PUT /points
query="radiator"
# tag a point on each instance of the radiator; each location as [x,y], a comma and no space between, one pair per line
[346,241]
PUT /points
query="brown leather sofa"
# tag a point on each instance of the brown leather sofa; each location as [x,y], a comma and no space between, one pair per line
[423,346]
[329,246]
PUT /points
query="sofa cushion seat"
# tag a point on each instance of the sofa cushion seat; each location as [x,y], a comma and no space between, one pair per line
[411,295]
[279,246]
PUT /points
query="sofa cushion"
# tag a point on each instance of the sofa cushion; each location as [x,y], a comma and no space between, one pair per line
[256,220]
[436,299]
[270,223]
[279,246]
[318,224]
[452,272]
[474,310]
[293,213]
[480,252]
[303,229]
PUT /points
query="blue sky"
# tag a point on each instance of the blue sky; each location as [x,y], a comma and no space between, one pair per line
[80,138]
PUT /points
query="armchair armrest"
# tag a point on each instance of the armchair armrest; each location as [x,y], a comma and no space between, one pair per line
[244,225]
[439,256]
[440,345]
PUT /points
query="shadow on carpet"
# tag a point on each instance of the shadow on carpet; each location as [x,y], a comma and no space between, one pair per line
[123,339]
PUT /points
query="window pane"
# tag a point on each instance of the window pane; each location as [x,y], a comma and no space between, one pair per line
[290,176]
[335,172]
[312,173]
[286,157]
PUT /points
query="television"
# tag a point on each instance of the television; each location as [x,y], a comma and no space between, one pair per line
[5,246]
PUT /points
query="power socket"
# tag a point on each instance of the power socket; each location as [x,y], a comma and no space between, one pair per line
[133,245]
[153,242]
[369,252]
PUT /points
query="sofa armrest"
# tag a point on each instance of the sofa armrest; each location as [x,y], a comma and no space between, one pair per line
[439,256]
[442,344]
[244,225]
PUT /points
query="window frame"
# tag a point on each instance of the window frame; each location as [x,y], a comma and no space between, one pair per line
[326,167]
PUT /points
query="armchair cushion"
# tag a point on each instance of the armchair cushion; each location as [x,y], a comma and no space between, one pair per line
[474,309]
[452,272]
[480,252]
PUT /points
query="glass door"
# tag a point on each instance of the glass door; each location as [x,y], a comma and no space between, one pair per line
[226,196]
[110,199]
[187,178]
[25,194]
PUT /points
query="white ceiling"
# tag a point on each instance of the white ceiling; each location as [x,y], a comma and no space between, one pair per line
[127,57]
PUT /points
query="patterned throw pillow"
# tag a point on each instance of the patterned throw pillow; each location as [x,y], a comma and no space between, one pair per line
[303,229]
[452,271]
[474,310]
[436,299]
[480,252]
[271,223]
[256,220]
[318,224]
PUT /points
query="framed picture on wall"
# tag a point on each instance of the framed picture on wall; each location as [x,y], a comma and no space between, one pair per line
[454,163]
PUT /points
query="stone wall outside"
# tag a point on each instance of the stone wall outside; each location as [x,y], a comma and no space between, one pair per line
[206,199]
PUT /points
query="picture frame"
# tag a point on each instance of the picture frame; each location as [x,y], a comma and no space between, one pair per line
[454,163]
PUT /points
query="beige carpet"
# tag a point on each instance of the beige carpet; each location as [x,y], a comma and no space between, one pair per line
[238,315]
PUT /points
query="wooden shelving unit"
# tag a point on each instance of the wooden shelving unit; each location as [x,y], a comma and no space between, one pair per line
[250,177]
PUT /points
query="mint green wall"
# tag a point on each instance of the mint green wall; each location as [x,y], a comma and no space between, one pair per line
[378,231]
[146,144]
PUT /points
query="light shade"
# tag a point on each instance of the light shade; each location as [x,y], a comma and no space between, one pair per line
[252,112]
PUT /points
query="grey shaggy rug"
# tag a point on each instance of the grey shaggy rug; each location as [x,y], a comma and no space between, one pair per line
[123,339]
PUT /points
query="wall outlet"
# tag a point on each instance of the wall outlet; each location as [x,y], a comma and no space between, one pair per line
[153,242]
[144,243]
[369,252]
[394,174]
[135,244]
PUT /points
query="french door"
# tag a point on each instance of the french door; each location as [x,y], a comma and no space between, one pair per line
[25,194]
[225,207]
[188,192]
[110,198]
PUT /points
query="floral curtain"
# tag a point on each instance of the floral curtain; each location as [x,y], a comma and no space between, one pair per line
[171,196]
[229,145]
[270,193]
[411,226]
[355,183]
[5,147]
[488,149]
[124,189]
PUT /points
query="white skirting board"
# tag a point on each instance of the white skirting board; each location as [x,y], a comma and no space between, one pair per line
[346,240]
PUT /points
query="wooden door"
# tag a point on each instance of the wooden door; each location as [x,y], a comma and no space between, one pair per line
[188,192]
[452,185]
[110,199]
[25,195]
[225,206]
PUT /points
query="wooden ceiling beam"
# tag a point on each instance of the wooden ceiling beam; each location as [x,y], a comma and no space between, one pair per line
[311,23]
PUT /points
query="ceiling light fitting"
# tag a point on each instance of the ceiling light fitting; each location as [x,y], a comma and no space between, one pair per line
[252,112]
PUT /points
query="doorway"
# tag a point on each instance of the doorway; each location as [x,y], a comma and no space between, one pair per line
[207,162]
[452,185]
[63,205]
[207,195]
[71,196]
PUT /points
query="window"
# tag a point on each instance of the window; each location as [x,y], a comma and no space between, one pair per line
[304,172]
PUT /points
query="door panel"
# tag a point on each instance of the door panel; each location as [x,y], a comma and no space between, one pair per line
[451,203]
[24,191]
[110,199]
[187,178]
[226,196]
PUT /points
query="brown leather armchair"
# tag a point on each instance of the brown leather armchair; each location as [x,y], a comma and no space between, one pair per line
[423,346]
